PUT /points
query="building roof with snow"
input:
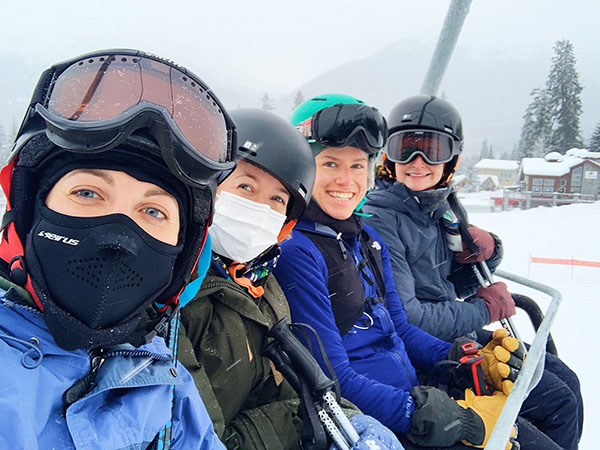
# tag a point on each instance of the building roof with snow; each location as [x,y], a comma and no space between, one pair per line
[498,164]
[555,165]
[492,178]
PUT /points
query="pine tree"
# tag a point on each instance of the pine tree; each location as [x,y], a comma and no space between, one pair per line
[491,152]
[564,93]
[514,154]
[298,99]
[595,140]
[4,145]
[537,126]
[485,150]
[505,155]
[267,102]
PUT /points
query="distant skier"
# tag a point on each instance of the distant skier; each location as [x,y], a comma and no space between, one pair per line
[419,216]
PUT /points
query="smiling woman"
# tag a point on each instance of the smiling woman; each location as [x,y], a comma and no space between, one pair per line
[341,183]
[337,274]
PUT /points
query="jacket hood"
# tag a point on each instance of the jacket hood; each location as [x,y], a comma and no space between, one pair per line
[396,197]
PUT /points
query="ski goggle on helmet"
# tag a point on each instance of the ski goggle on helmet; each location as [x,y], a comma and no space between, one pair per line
[433,146]
[344,124]
[96,101]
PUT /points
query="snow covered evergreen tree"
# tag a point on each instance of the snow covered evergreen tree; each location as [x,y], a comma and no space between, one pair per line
[564,98]
[595,140]
[267,102]
[537,126]
[4,145]
[298,99]
[485,150]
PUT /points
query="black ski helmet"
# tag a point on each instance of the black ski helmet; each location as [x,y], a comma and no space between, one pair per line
[274,145]
[427,112]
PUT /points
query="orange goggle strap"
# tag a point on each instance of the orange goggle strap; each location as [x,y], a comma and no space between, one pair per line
[254,291]
[11,247]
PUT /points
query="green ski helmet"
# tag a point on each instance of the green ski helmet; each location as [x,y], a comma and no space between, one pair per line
[338,120]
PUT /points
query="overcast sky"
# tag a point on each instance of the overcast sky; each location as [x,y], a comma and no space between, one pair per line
[277,45]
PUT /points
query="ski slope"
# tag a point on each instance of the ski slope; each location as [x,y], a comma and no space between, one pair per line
[562,232]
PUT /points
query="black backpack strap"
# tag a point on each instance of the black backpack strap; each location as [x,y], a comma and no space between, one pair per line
[344,283]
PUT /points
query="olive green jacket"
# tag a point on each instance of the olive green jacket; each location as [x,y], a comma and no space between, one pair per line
[222,334]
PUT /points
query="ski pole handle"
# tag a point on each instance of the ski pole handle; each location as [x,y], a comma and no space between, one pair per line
[300,357]
[283,364]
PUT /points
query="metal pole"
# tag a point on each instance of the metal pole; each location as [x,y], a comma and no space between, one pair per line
[533,366]
[455,17]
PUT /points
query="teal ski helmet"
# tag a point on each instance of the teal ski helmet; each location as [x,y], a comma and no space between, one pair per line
[339,120]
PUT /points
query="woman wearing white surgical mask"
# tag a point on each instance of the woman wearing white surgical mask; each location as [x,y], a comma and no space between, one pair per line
[224,327]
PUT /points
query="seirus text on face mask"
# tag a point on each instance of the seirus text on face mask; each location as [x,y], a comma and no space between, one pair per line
[242,229]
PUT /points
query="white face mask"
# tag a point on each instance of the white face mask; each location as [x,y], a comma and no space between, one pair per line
[242,229]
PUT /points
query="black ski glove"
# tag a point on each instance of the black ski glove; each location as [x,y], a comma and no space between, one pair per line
[439,421]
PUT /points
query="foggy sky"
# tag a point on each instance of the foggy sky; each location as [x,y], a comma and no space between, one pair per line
[277,45]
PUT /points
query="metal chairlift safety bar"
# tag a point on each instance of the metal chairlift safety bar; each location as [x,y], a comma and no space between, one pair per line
[533,366]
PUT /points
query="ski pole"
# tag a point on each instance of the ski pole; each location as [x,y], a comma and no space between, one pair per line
[483,273]
[303,365]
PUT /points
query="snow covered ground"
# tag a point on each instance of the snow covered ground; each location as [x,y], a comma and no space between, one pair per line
[562,232]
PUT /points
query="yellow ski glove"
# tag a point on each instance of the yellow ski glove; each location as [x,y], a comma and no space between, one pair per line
[488,408]
[503,358]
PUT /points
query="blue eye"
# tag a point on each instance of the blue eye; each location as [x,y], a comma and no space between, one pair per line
[153,212]
[86,193]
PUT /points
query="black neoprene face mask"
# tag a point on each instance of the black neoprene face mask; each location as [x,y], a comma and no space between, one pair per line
[101,271]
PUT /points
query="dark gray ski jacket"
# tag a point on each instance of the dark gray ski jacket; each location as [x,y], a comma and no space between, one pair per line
[422,264]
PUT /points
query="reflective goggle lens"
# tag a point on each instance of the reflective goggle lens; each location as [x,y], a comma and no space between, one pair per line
[105,87]
[435,148]
[334,126]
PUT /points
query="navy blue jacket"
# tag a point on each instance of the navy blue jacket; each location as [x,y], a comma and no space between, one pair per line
[375,363]
[422,264]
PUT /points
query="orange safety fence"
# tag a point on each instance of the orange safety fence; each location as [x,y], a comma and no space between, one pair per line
[564,261]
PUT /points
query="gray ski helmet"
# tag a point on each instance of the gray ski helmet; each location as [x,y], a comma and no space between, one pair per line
[274,145]
[426,112]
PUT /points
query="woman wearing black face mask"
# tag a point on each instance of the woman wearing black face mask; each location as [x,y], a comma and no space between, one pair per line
[225,327]
[107,209]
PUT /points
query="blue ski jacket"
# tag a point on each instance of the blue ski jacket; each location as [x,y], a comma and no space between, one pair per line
[375,361]
[422,264]
[126,406]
